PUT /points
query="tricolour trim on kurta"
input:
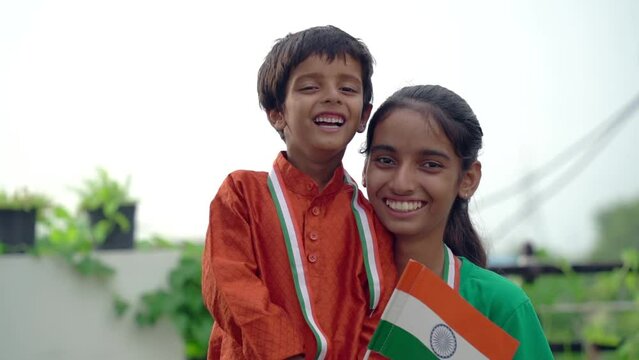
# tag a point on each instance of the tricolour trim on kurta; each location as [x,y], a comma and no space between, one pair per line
[451,269]
[369,246]
[294,247]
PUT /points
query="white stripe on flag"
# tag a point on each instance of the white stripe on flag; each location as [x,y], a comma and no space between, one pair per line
[414,316]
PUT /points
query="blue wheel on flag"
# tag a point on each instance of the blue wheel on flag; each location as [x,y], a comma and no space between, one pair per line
[443,341]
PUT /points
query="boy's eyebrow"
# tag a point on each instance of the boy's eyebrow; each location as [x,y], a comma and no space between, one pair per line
[315,75]
[424,152]
[352,78]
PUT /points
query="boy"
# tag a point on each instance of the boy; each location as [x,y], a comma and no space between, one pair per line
[295,264]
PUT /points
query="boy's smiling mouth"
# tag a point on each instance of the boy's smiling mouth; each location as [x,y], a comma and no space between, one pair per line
[329,120]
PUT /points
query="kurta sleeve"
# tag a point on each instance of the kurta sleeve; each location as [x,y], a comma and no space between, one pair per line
[232,290]
[524,326]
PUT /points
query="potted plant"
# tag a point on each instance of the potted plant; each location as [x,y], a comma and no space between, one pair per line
[111,210]
[18,212]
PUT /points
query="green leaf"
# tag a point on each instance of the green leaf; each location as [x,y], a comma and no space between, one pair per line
[121,221]
[90,266]
[120,305]
[23,199]
[630,259]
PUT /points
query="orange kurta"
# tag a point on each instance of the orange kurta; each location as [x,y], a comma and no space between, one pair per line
[247,283]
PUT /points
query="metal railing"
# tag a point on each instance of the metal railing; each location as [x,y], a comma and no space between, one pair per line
[529,269]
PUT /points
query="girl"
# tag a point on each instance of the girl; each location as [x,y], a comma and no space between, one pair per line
[421,170]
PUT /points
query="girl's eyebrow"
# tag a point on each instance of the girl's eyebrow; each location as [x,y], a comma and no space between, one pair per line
[383,147]
[434,152]
[424,152]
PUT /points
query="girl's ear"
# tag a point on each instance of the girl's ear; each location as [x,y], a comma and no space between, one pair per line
[364,172]
[366,113]
[470,181]
[276,118]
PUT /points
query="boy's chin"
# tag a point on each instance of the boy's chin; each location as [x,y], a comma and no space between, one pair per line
[320,153]
[330,149]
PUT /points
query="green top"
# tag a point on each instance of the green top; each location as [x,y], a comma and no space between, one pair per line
[507,305]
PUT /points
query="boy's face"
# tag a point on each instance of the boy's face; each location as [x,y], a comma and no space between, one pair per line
[323,108]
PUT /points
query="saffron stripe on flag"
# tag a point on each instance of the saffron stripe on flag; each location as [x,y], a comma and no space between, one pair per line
[457,313]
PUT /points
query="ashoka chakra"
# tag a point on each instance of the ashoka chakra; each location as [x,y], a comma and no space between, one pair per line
[443,341]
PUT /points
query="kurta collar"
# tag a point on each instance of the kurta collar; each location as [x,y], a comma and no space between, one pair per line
[302,184]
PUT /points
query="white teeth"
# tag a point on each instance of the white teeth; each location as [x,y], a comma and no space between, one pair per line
[330,120]
[404,206]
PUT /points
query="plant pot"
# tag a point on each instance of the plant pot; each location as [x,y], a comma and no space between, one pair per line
[117,238]
[17,229]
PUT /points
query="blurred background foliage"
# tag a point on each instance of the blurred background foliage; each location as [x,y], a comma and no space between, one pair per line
[598,309]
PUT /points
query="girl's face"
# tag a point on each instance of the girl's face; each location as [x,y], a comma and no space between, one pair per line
[413,175]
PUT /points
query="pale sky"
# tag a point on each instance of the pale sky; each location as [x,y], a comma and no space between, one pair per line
[165,92]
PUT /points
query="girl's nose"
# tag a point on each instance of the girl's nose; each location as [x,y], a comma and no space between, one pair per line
[403,181]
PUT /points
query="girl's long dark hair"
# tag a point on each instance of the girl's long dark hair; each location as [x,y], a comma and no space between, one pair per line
[459,123]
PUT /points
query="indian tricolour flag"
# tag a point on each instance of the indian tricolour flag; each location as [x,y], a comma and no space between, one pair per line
[427,319]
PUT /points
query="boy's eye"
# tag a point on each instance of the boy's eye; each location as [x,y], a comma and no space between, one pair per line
[308,87]
[349,89]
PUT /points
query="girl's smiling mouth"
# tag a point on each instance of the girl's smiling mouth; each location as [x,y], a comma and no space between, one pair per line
[404,206]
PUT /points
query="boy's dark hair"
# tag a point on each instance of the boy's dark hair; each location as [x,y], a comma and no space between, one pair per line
[459,123]
[288,52]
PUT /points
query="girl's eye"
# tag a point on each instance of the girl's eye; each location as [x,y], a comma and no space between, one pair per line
[384,160]
[431,165]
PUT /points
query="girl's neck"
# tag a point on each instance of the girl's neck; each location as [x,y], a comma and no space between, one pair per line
[427,251]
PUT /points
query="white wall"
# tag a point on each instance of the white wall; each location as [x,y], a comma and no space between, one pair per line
[49,311]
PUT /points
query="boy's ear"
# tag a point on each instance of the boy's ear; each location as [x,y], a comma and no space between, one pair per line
[276,118]
[470,181]
[366,113]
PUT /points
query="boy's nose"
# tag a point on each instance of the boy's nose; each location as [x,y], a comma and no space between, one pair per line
[332,96]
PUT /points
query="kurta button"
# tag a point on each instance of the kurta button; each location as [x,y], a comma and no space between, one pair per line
[315,211]
[312,258]
[313,235]
[309,186]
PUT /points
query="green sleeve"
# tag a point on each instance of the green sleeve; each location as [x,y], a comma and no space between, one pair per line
[524,326]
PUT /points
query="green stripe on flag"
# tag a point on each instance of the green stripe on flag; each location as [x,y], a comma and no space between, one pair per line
[396,343]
